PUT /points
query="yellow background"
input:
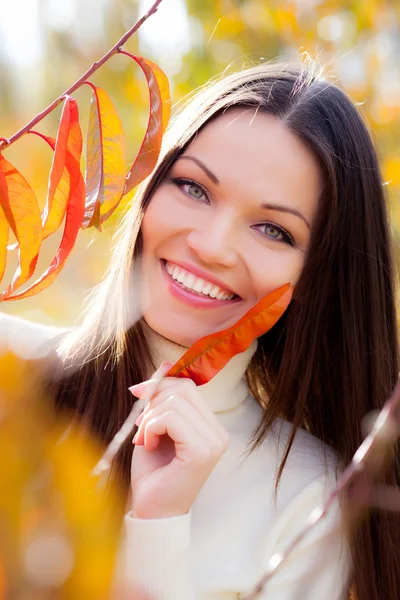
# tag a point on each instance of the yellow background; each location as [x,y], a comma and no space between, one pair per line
[358,42]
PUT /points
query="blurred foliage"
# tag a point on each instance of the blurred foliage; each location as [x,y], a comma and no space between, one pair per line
[52,511]
[59,530]
[358,43]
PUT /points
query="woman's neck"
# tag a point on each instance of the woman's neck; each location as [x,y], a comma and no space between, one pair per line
[162,349]
[226,390]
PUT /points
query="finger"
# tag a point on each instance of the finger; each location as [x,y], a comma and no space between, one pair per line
[147,388]
[180,405]
[164,385]
[189,390]
[140,389]
[174,425]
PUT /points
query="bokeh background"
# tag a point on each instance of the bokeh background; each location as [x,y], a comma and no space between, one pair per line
[45,45]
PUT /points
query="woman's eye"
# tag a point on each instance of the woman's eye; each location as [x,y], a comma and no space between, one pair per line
[190,188]
[273,232]
[194,190]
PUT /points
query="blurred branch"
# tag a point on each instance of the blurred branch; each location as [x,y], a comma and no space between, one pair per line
[358,481]
[119,438]
[4,142]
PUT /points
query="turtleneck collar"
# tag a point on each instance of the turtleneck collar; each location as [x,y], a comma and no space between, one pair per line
[226,390]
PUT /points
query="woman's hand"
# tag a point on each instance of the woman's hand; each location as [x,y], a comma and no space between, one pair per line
[178,444]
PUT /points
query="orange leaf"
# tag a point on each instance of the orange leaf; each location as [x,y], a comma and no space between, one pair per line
[73,221]
[105,160]
[160,108]
[211,353]
[69,137]
[4,230]
[22,212]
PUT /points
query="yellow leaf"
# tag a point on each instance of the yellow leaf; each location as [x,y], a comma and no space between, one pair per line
[21,209]
[105,159]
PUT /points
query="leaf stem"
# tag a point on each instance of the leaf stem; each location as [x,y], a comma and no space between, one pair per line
[4,142]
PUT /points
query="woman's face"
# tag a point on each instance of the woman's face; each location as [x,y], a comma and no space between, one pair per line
[230,223]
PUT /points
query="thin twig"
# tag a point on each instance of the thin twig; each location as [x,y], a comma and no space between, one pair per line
[4,142]
[105,462]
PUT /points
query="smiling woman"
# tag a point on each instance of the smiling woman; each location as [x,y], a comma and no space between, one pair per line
[267,176]
[233,210]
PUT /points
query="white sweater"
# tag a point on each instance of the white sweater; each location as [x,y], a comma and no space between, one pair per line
[221,548]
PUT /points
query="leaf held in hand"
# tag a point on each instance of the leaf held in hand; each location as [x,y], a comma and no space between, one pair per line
[69,138]
[211,353]
[105,160]
[22,212]
[4,231]
[160,108]
[73,219]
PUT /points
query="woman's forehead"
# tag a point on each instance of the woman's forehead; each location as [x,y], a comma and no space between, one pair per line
[255,153]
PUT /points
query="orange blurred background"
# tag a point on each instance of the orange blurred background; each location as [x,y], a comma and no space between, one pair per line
[45,45]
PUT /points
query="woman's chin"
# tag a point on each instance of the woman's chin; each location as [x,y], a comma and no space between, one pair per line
[171,334]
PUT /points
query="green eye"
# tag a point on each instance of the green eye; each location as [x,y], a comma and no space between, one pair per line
[195,191]
[272,231]
[190,188]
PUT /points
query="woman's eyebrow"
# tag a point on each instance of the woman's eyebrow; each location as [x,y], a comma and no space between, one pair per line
[198,162]
[286,209]
[215,179]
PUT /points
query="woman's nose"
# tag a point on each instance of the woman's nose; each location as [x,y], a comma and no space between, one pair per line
[214,244]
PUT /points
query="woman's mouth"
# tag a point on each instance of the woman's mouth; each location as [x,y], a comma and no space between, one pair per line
[189,287]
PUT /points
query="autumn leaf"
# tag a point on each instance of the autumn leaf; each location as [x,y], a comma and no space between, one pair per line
[160,109]
[87,509]
[4,230]
[73,219]
[211,353]
[105,160]
[22,212]
[69,138]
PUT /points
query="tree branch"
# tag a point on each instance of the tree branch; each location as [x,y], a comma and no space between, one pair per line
[4,142]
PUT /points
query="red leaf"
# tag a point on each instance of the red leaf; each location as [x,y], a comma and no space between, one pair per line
[69,138]
[160,108]
[211,353]
[4,230]
[73,220]
[22,212]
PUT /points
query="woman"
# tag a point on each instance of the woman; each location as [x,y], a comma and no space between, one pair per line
[267,176]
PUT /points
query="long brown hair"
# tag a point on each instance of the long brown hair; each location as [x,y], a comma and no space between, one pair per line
[333,357]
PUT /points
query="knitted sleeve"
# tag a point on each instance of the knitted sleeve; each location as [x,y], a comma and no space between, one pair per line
[156,558]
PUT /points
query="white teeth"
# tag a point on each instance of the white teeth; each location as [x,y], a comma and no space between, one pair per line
[214,291]
[189,281]
[197,284]
[207,288]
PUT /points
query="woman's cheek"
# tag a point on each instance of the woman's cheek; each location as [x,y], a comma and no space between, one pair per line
[277,269]
[158,219]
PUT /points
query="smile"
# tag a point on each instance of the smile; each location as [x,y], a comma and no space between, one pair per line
[196,284]
[190,287]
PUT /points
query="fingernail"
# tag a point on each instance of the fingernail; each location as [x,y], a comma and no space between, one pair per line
[139,387]
[135,438]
